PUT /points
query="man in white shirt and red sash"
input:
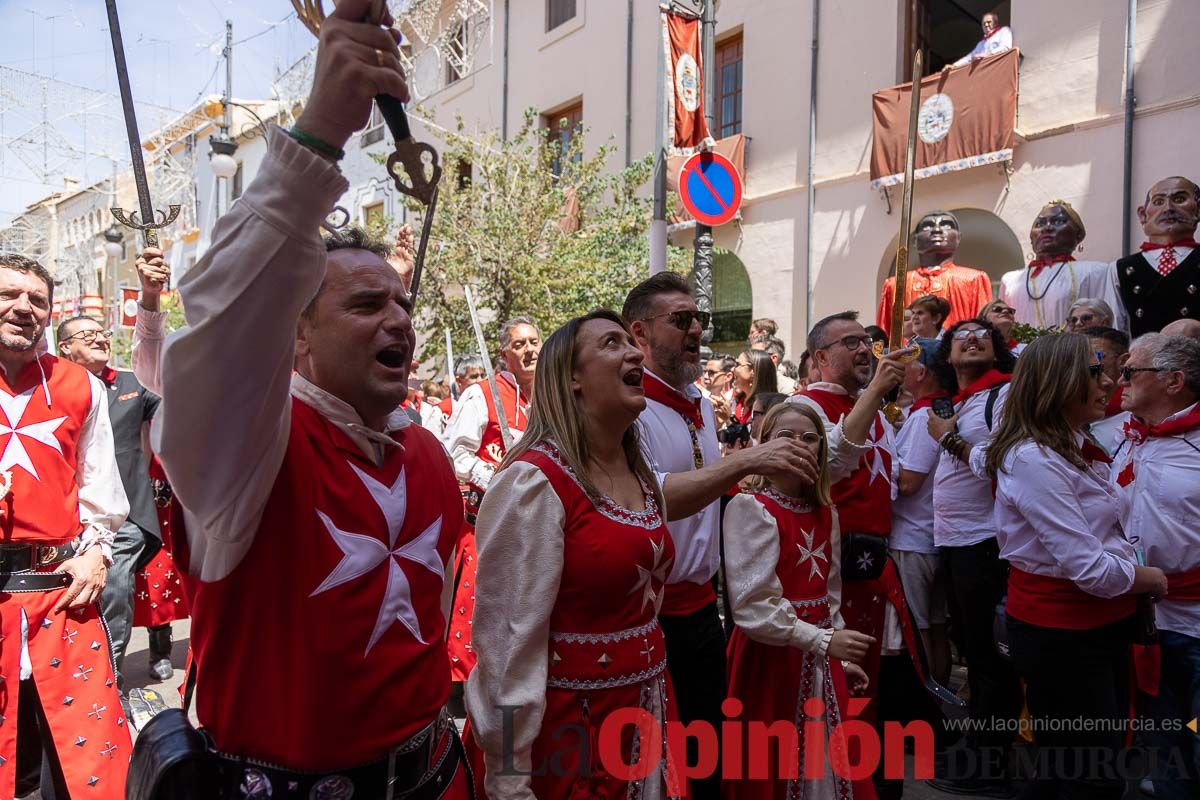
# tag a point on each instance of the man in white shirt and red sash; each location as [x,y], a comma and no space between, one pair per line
[861,453]
[1161,380]
[318,520]
[61,503]
[976,358]
[679,440]
[1161,283]
[477,447]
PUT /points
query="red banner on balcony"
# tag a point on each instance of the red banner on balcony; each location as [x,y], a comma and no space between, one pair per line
[966,120]
[684,83]
[129,301]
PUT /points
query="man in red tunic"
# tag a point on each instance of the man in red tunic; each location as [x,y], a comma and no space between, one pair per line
[967,290]
[61,503]
[477,448]
[318,521]
[861,453]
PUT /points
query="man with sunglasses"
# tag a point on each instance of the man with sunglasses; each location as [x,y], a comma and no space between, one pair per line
[678,436]
[130,408]
[936,239]
[1112,350]
[1159,468]
[977,356]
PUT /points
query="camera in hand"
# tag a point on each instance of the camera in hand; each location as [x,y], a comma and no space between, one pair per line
[733,433]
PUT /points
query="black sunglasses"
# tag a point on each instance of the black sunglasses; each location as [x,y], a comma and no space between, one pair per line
[683,319]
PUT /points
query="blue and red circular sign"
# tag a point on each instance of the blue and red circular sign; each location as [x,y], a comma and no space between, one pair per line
[710,188]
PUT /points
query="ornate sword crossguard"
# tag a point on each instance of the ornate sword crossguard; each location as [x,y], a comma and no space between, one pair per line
[148,229]
[423,176]
[414,166]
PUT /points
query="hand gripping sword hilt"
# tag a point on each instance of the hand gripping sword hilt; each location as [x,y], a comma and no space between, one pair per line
[148,229]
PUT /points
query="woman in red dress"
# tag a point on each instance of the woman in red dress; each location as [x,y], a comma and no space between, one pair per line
[784,578]
[573,554]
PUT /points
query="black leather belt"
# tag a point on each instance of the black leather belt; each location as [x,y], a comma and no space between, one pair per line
[18,557]
[414,771]
[12,582]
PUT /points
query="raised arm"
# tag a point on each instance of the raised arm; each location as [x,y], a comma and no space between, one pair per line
[223,426]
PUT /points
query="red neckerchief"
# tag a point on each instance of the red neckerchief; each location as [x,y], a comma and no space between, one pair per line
[990,379]
[1114,402]
[1147,246]
[741,411]
[673,399]
[1012,343]
[1039,264]
[108,375]
[926,401]
[1188,422]
[1135,430]
[995,30]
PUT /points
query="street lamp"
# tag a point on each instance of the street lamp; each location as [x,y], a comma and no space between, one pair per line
[220,155]
[113,247]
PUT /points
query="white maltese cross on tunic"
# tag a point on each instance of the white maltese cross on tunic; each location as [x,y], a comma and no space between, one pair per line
[362,553]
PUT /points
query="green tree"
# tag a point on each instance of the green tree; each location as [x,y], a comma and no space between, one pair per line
[533,229]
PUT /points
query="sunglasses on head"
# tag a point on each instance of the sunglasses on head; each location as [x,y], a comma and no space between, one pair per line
[683,319]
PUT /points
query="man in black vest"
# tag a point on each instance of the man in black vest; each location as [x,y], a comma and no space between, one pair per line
[1161,283]
[130,406]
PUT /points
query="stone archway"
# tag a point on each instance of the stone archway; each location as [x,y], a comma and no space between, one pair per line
[732,302]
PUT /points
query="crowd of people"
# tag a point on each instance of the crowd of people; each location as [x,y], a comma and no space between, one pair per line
[606,537]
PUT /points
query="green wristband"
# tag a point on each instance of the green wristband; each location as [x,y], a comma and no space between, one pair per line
[320,145]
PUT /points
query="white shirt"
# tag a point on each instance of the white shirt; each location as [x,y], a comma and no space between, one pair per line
[223,426]
[1058,287]
[962,499]
[1110,431]
[1055,519]
[464,433]
[667,446]
[1164,515]
[1151,256]
[912,515]
[998,42]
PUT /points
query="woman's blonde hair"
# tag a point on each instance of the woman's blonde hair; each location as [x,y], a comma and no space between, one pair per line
[556,415]
[1051,372]
[820,491]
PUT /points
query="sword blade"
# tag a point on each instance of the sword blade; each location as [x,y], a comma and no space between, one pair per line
[131,129]
[895,337]
[419,261]
[505,433]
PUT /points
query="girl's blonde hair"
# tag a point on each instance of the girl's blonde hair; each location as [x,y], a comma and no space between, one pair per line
[556,416]
[820,491]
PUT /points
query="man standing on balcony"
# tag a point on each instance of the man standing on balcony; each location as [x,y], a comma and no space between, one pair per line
[996,39]
[1161,283]
[966,289]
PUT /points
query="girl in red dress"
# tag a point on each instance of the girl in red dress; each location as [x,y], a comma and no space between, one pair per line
[573,554]
[782,554]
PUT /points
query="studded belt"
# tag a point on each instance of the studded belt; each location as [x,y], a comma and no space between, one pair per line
[420,769]
[587,661]
[22,556]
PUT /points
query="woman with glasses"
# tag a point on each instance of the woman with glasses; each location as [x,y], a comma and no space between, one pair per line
[790,644]
[1089,312]
[1073,577]
[574,553]
[929,313]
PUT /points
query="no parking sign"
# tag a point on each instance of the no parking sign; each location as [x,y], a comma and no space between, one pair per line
[710,188]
